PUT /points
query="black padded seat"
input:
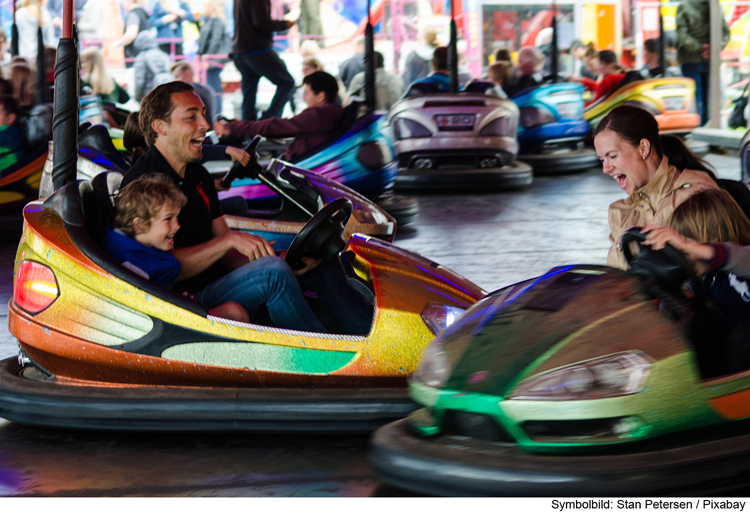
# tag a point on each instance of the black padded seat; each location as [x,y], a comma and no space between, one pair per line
[97,138]
[418,89]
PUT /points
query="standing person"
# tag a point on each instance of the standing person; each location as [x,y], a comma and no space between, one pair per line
[693,38]
[388,88]
[213,40]
[628,143]
[28,19]
[309,19]
[92,23]
[418,62]
[167,17]
[254,56]
[95,75]
[353,65]
[136,21]
[151,65]
[55,9]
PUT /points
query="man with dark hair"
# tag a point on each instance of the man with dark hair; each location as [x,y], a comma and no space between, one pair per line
[651,67]
[172,118]
[254,56]
[311,128]
[440,73]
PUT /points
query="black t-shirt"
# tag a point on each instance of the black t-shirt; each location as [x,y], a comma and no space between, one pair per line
[196,216]
[140,17]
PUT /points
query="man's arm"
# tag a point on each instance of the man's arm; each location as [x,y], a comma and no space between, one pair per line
[240,248]
[261,17]
[312,120]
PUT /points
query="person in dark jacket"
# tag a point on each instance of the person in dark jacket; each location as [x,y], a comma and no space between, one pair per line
[353,65]
[254,56]
[151,65]
[418,62]
[322,118]
[213,40]
[136,21]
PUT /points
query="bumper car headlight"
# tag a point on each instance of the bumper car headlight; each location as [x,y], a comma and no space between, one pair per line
[533,117]
[499,127]
[440,317]
[434,369]
[616,375]
[409,129]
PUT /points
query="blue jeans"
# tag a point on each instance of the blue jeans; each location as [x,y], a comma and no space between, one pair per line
[698,71]
[266,281]
[253,66]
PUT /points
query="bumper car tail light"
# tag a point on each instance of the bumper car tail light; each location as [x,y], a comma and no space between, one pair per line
[440,317]
[35,287]
[533,117]
[617,375]
[499,128]
[408,129]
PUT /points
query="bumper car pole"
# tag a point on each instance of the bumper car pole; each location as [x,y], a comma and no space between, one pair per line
[41,74]
[14,34]
[369,62]
[65,121]
[453,53]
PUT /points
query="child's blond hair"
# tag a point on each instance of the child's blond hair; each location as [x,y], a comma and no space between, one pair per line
[143,199]
[712,216]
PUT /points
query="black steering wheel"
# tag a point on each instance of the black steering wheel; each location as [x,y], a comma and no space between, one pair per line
[237,171]
[667,267]
[322,237]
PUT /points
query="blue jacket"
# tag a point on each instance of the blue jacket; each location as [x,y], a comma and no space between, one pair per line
[159,266]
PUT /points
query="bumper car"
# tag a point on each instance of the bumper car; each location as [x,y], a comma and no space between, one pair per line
[103,348]
[299,193]
[359,156]
[552,129]
[671,100]
[464,140]
[19,183]
[585,381]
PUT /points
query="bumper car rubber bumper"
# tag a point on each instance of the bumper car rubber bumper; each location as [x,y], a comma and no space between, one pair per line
[170,409]
[561,162]
[461,466]
[514,175]
[699,148]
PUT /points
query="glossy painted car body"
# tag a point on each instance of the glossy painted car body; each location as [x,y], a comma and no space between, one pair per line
[552,130]
[457,140]
[573,383]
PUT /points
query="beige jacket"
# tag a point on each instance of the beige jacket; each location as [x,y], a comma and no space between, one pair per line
[653,203]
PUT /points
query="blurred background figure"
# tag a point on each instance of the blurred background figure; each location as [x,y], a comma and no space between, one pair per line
[184,72]
[693,36]
[419,61]
[22,80]
[578,51]
[501,73]
[167,18]
[214,40]
[611,74]
[591,63]
[309,19]
[651,67]
[530,60]
[11,137]
[94,74]
[388,87]
[353,65]
[136,21]
[151,65]
[92,23]
[29,17]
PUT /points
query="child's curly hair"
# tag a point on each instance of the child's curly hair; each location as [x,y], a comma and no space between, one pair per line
[142,199]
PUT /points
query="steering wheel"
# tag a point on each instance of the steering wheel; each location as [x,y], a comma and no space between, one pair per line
[666,267]
[322,236]
[237,171]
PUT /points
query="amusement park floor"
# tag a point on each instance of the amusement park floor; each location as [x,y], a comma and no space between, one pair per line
[492,239]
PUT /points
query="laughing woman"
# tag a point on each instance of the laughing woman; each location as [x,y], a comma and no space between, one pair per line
[628,144]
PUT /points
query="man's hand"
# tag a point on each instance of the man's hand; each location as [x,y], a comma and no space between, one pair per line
[290,24]
[222,128]
[168,19]
[251,246]
[706,51]
[238,155]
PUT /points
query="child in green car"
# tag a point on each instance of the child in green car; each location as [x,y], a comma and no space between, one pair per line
[713,232]
[11,138]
